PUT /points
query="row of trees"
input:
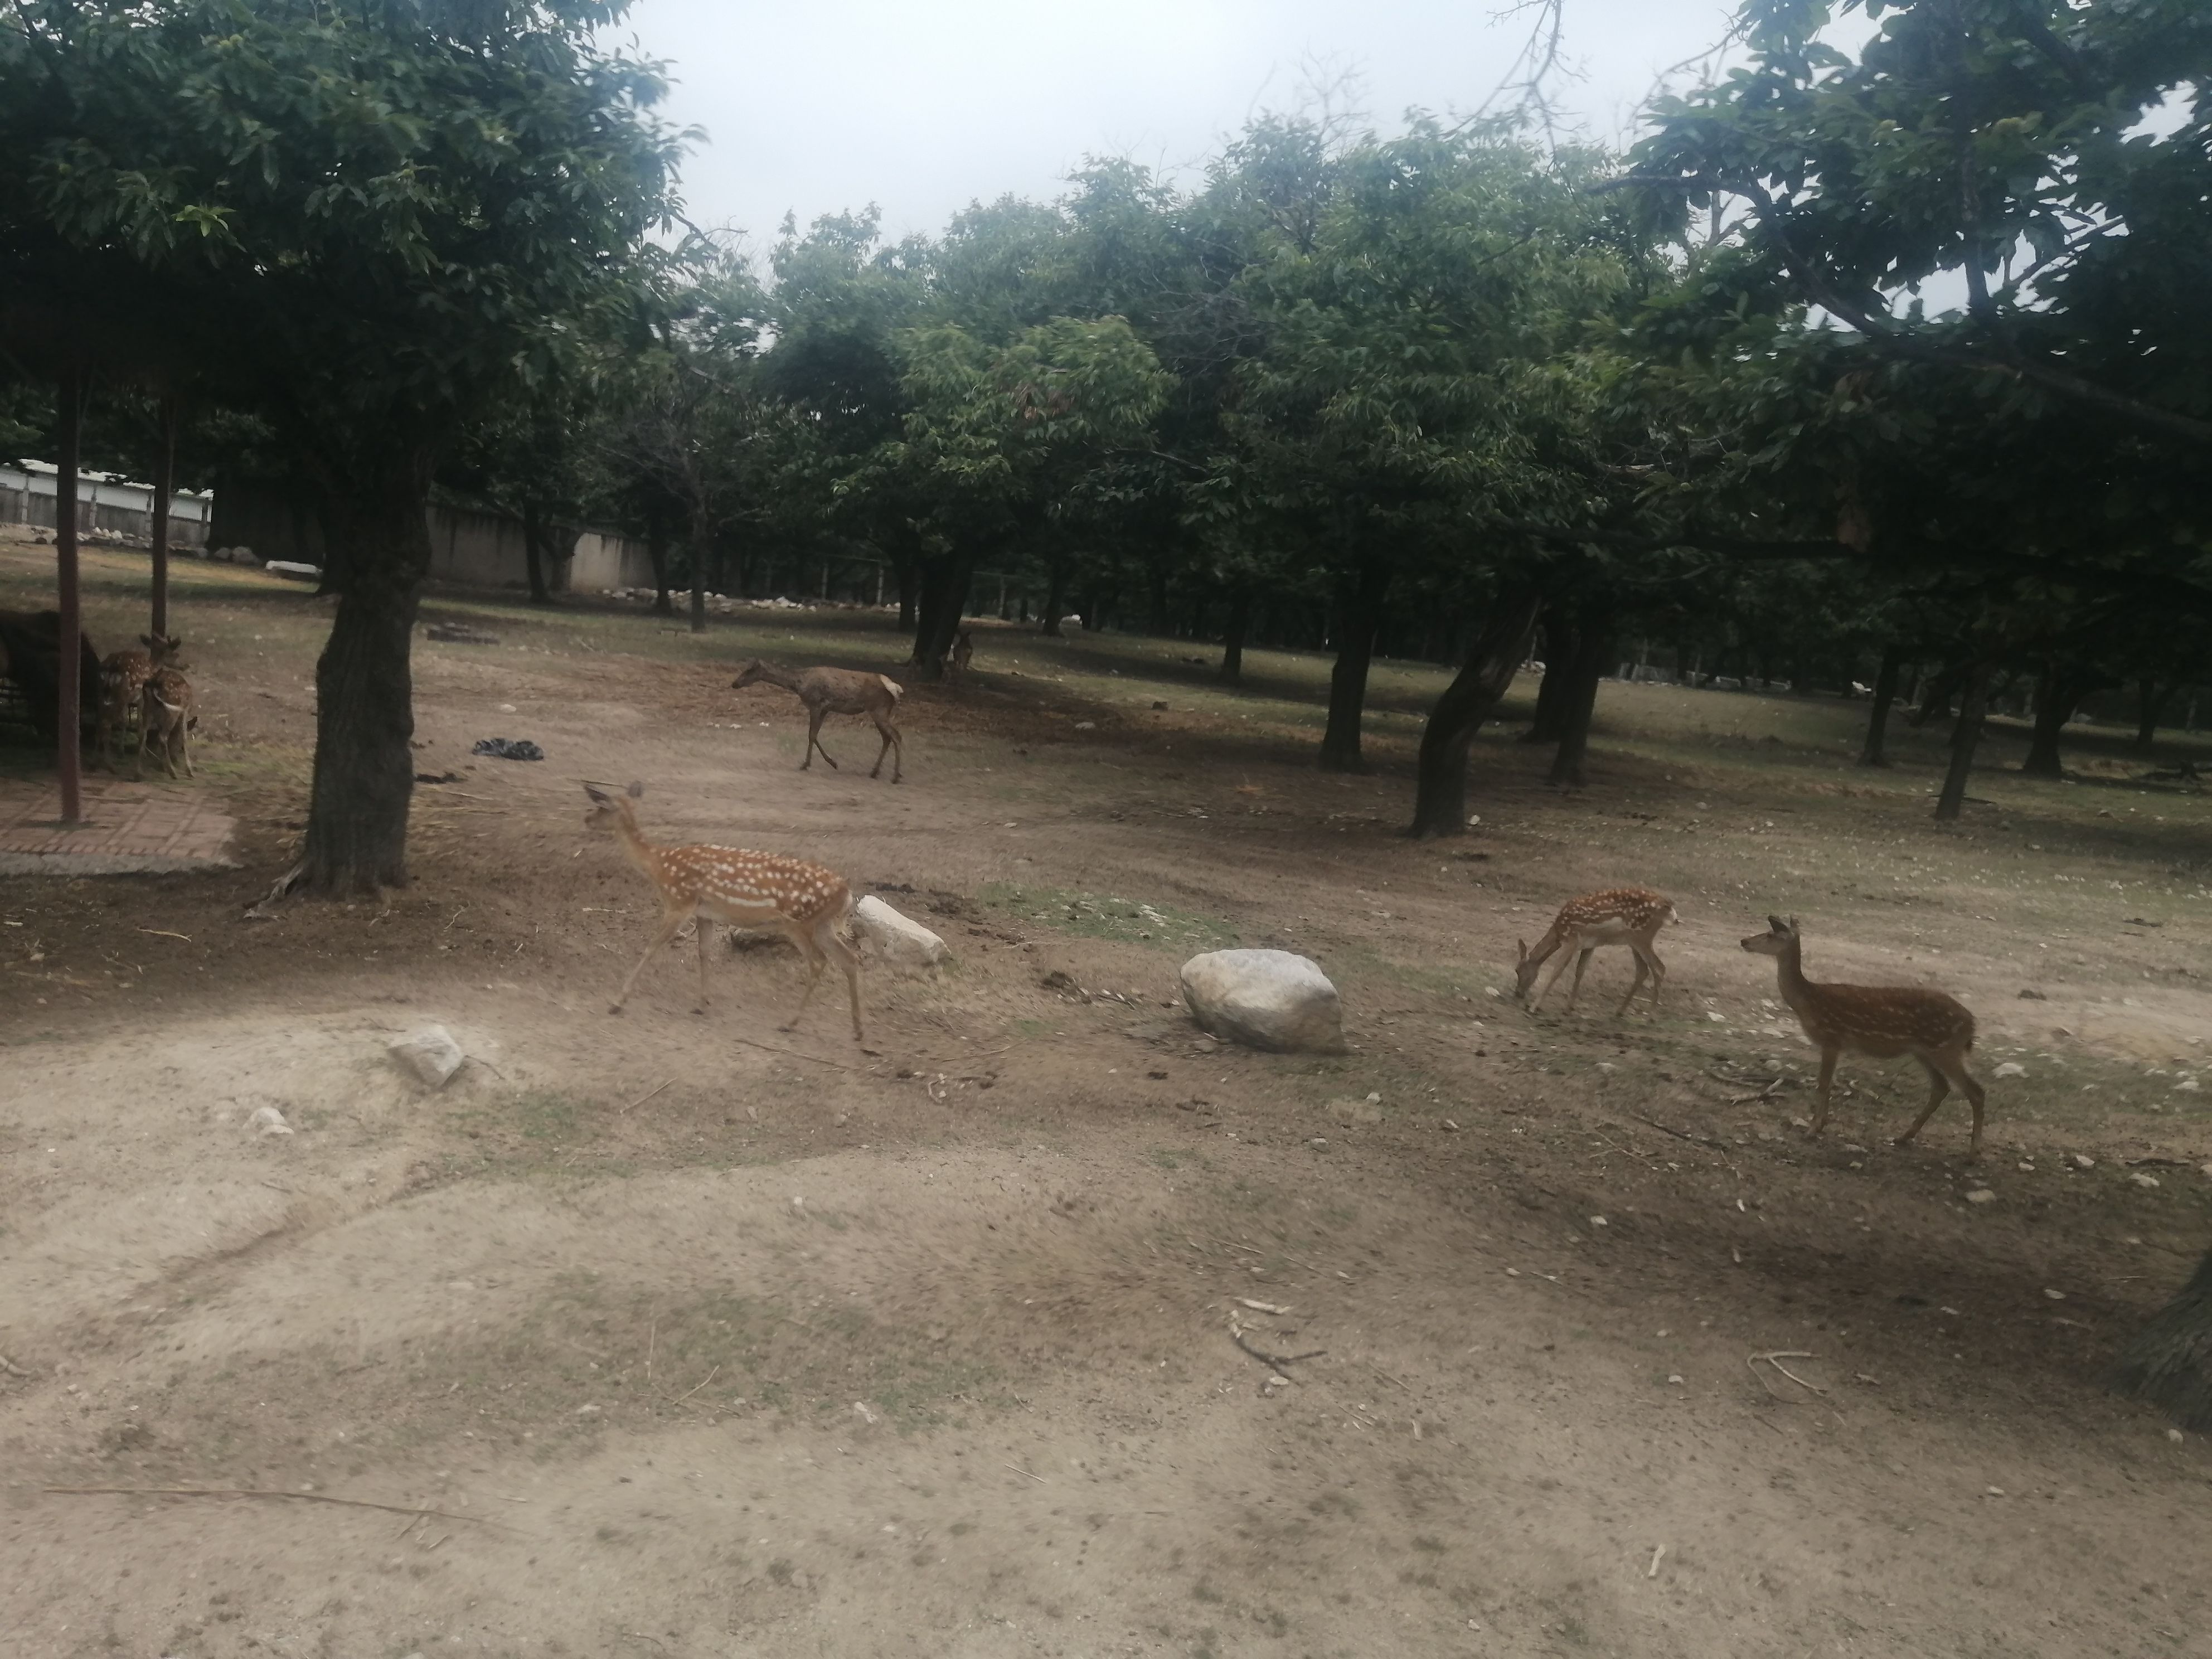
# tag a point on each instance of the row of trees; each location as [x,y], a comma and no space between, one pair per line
[1430,391]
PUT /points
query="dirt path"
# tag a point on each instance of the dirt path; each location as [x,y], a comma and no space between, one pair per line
[716,1349]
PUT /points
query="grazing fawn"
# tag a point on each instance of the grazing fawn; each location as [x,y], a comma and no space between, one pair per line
[836,691]
[964,652]
[1620,916]
[1881,1020]
[807,902]
[123,677]
[169,709]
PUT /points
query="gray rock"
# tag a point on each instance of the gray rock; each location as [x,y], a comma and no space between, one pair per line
[1271,999]
[430,1054]
[895,938]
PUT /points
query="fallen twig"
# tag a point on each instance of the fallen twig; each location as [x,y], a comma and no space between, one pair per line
[251,1492]
[163,932]
[1018,1469]
[1652,1571]
[681,1398]
[647,1095]
[769,1047]
[1277,1360]
[1775,1359]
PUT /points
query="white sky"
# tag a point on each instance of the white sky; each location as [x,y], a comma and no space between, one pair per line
[925,106]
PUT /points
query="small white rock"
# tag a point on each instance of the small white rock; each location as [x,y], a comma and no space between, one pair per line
[268,1120]
[2010,1068]
[2056,1296]
[1086,726]
[587,1411]
[2083,1161]
[860,1410]
[1717,1019]
[1597,1221]
[1981,1195]
[896,939]
[2174,1435]
[2142,1180]
[1675,1379]
[430,1054]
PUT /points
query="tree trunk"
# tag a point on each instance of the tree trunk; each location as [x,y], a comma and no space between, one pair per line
[1594,652]
[1936,695]
[364,767]
[1155,579]
[903,567]
[2150,705]
[1964,737]
[533,549]
[1555,691]
[165,486]
[1231,671]
[69,685]
[703,541]
[1361,612]
[656,550]
[1885,694]
[2058,692]
[943,601]
[1056,596]
[1498,651]
[2169,1361]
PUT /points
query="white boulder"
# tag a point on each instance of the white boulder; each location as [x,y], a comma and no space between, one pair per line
[894,938]
[430,1054]
[1265,1000]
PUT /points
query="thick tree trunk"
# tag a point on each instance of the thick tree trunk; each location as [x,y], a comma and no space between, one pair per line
[1964,737]
[2055,699]
[1555,691]
[1592,655]
[364,769]
[943,601]
[165,486]
[2151,699]
[656,550]
[1884,694]
[1359,614]
[1231,670]
[533,549]
[68,686]
[703,542]
[2169,1361]
[1936,695]
[1498,651]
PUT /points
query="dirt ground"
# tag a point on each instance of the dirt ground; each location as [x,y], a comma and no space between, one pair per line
[699,1339]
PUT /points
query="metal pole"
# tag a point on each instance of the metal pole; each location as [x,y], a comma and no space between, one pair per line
[67,667]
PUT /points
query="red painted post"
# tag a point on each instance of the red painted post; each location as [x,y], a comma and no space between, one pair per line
[68,663]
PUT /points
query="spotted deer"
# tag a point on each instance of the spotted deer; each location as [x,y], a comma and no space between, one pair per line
[964,652]
[836,691]
[808,903]
[168,710]
[1883,1021]
[123,677]
[1618,915]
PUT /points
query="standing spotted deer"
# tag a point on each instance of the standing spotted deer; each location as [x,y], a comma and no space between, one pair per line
[808,903]
[123,677]
[836,691]
[168,710]
[1883,1021]
[1618,915]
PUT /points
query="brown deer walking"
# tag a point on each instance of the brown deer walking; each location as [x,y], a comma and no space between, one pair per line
[1620,916]
[964,652]
[1881,1020]
[836,691]
[168,710]
[808,903]
[123,677]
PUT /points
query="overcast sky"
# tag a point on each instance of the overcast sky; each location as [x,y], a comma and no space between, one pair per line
[925,106]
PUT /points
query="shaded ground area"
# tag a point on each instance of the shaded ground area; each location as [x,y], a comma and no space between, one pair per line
[708,1340]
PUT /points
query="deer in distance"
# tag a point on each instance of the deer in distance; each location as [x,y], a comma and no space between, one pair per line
[964,652]
[1620,916]
[836,691]
[1883,1021]
[168,710]
[123,677]
[807,903]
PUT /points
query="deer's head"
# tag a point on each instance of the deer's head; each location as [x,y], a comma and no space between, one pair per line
[1780,936]
[748,674]
[1524,969]
[610,809]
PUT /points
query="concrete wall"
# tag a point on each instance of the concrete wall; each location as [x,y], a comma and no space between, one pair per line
[116,507]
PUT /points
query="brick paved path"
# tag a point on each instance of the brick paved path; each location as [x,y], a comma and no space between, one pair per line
[128,827]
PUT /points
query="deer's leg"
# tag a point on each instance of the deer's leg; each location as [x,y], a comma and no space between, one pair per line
[890,731]
[1634,985]
[185,744]
[1968,1086]
[890,736]
[837,947]
[814,718]
[816,962]
[1938,1087]
[1828,1080]
[669,924]
[1658,975]
[145,730]
[1582,961]
[1545,989]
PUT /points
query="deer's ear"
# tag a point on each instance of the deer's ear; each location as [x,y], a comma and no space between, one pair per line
[1774,925]
[596,793]
[1523,945]
[635,792]
[1793,924]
